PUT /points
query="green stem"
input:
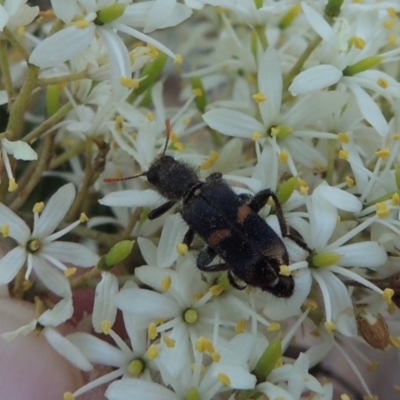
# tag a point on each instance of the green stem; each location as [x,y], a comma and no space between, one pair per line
[40,166]
[67,155]
[18,108]
[5,69]
[44,126]
[296,69]
[63,78]
[15,43]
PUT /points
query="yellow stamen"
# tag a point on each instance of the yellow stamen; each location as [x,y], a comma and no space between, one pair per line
[150,116]
[283,156]
[343,154]
[349,181]
[68,396]
[382,210]
[330,326]
[358,42]
[216,357]
[83,218]
[70,271]
[387,295]
[152,331]
[224,379]
[240,326]
[216,290]
[392,12]
[106,327]
[343,137]
[259,97]
[395,342]
[383,153]
[82,24]
[166,283]
[256,135]
[284,270]
[274,326]
[396,199]
[38,207]
[170,343]
[5,230]
[383,83]
[197,92]
[311,304]
[152,352]
[26,285]
[12,185]
[129,83]
[388,24]
[178,59]
[344,397]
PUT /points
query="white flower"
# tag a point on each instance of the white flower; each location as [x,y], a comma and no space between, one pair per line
[71,41]
[20,151]
[40,249]
[15,13]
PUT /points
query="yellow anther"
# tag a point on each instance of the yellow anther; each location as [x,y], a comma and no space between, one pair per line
[173,136]
[152,352]
[259,97]
[392,39]
[68,396]
[106,327]
[250,78]
[119,123]
[256,135]
[343,154]
[391,11]
[349,181]
[383,83]
[304,190]
[152,331]
[395,342]
[372,366]
[382,210]
[26,285]
[209,346]
[344,397]
[38,207]
[388,24]
[197,296]
[182,249]
[82,24]
[5,230]
[388,293]
[197,92]
[311,304]
[179,146]
[166,283]
[391,308]
[240,326]
[200,345]
[329,326]
[396,136]
[284,270]
[383,153]
[178,59]
[129,83]
[396,199]
[68,142]
[216,357]
[279,362]
[21,31]
[283,156]
[83,218]
[153,51]
[216,290]
[343,137]
[358,42]
[274,326]
[274,131]
[170,343]
[224,379]
[214,155]
[70,271]
[150,116]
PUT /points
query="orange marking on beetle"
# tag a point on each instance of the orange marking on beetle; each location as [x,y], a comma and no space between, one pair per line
[215,238]
[242,213]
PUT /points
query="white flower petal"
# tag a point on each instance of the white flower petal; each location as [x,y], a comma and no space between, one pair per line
[270,84]
[23,330]
[54,211]
[71,253]
[60,313]
[65,10]
[67,349]
[132,198]
[153,276]
[10,264]
[142,302]
[148,250]
[18,229]
[369,109]
[273,391]
[339,198]
[363,254]
[104,307]
[96,350]
[232,123]
[173,232]
[19,150]
[128,389]
[62,46]
[119,61]
[4,17]
[51,277]
[315,78]
[319,24]
[240,377]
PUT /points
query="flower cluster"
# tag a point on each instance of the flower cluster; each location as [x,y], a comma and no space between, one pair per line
[299,97]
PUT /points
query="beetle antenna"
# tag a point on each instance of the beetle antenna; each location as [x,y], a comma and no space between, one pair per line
[123,178]
[168,134]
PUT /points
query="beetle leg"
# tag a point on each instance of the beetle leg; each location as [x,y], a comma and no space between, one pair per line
[259,201]
[205,257]
[216,176]
[188,238]
[157,212]
[233,282]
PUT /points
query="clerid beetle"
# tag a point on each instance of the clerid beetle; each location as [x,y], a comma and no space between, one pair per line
[229,223]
